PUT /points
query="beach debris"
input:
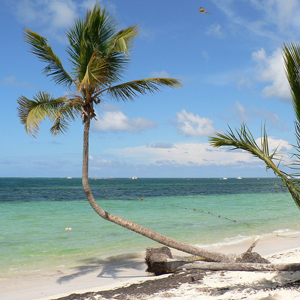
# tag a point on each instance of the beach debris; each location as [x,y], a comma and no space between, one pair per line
[160,261]
[253,245]
[260,267]
[156,259]
[202,10]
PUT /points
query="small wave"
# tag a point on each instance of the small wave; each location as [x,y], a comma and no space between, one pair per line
[228,241]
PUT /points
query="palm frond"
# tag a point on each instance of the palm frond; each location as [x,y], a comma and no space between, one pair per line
[33,111]
[132,89]
[291,56]
[68,112]
[123,40]
[89,36]
[44,52]
[243,139]
[96,75]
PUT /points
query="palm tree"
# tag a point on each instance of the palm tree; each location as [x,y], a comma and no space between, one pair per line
[241,138]
[98,55]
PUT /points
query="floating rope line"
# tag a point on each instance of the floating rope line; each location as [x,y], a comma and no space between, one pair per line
[202,211]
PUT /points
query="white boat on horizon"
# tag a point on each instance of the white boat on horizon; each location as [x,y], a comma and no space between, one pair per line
[239,177]
[225,178]
[133,178]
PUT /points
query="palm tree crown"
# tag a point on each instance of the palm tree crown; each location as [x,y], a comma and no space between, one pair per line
[98,54]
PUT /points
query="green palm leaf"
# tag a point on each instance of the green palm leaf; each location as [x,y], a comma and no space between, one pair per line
[123,40]
[44,52]
[42,106]
[130,90]
[69,110]
[243,139]
[292,68]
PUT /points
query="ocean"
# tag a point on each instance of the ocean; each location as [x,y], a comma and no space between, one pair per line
[47,223]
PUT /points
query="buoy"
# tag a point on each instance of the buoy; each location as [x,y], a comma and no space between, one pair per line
[142,199]
[234,220]
[186,208]
[219,216]
[209,212]
[194,209]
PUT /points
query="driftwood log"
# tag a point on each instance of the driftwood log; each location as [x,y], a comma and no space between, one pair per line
[215,266]
[160,261]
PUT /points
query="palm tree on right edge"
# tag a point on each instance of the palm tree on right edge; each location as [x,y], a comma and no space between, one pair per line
[241,138]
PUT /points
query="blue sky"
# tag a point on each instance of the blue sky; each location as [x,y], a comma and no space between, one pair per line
[229,61]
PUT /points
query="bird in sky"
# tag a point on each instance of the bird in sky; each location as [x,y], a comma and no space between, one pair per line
[202,10]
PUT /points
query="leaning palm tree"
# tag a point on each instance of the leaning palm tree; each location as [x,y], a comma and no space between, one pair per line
[98,55]
[241,138]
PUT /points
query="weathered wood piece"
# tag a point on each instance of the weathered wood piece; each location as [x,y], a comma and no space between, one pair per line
[215,266]
[160,261]
[156,259]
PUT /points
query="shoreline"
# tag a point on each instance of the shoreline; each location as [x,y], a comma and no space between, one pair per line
[119,273]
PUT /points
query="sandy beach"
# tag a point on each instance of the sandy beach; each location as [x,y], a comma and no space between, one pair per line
[94,277]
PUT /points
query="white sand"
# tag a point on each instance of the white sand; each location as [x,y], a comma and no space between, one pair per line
[234,285]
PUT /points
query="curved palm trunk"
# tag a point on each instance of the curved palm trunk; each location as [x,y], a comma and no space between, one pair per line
[212,256]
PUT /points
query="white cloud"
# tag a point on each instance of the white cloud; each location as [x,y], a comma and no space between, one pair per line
[51,18]
[240,112]
[273,19]
[56,13]
[161,145]
[181,154]
[278,12]
[62,14]
[272,119]
[216,31]
[89,4]
[244,81]
[114,119]
[271,70]
[12,81]
[161,74]
[251,113]
[193,154]
[189,124]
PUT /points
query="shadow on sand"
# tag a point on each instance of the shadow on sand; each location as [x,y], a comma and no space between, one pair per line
[109,267]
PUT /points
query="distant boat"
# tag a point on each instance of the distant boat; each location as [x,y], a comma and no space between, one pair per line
[69,177]
[133,178]
[239,177]
[225,178]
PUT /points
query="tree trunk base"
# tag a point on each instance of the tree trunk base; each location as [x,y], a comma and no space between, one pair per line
[160,261]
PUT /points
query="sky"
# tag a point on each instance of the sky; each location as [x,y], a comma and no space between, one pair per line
[229,62]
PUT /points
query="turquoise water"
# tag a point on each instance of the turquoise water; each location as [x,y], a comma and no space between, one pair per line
[35,213]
